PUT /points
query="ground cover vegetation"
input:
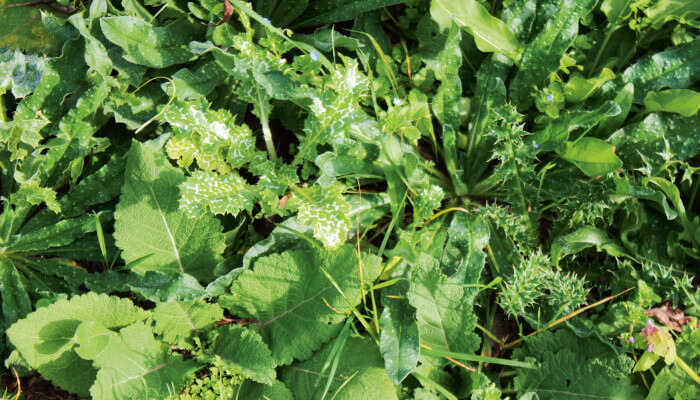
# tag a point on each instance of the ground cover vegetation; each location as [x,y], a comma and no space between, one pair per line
[356,199]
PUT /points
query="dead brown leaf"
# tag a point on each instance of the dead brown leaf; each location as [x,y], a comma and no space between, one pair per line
[673,318]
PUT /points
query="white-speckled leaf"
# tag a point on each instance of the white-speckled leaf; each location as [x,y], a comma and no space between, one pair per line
[328,211]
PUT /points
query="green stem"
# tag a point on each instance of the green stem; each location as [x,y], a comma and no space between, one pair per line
[688,370]
[3,116]
[267,133]
[521,188]
[602,47]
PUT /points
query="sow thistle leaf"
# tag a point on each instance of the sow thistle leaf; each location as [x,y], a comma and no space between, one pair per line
[360,374]
[156,47]
[152,372]
[206,191]
[327,210]
[178,322]
[296,305]
[490,33]
[45,337]
[147,220]
[444,314]
[243,350]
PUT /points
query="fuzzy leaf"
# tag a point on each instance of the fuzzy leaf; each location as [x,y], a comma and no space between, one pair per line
[147,220]
[289,296]
[243,350]
[178,322]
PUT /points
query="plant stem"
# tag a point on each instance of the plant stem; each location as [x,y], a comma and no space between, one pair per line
[521,188]
[687,369]
[3,116]
[267,133]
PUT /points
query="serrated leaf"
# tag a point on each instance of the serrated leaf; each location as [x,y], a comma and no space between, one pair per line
[152,372]
[360,374]
[327,210]
[147,219]
[490,33]
[145,44]
[399,343]
[556,133]
[204,192]
[243,350]
[178,322]
[45,337]
[444,315]
[22,72]
[289,296]
[593,156]
[543,53]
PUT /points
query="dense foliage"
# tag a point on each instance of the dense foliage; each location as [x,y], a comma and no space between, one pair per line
[364,199]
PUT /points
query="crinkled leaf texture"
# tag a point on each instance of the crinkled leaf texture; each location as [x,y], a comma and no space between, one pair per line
[444,313]
[45,337]
[179,321]
[147,219]
[360,366]
[243,350]
[328,211]
[296,305]
[134,365]
[569,367]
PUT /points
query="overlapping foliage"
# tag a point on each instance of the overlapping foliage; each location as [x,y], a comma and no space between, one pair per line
[351,200]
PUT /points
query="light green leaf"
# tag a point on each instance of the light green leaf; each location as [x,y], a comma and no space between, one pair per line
[543,54]
[490,33]
[583,238]
[289,296]
[95,52]
[682,101]
[445,317]
[45,337]
[556,133]
[399,343]
[147,219]
[191,84]
[593,156]
[327,210]
[666,10]
[178,322]
[92,338]
[463,256]
[204,192]
[616,10]
[243,350]
[152,372]
[156,47]
[360,374]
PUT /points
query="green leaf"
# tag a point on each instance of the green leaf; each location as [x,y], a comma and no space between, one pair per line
[199,82]
[675,68]
[490,33]
[156,47]
[556,133]
[445,317]
[22,72]
[45,337]
[92,339]
[289,296]
[329,11]
[463,256]
[616,10]
[593,156]
[399,343]
[147,220]
[151,373]
[543,53]
[327,210]
[205,191]
[666,10]
[360,374]
[570,368]
[657,133]
[681,101]
[243,350]
[178,322]
[583,238]
[95,52]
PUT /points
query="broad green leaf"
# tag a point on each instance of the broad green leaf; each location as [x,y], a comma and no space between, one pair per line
[616,10]
[191,84]
[288,294]
[92,338]
[45,337]
[593,156]
[249,390]
[61,233]
[609,123]
[399,343]
[15,300]
[327,210]
[570,367]
[155,286]
[147,219]
[681,101]
[657,134]
[675,68]
[178,322]
[95,52]
[152,371]
[360,374]
[145,44]
[543,53]
[205,191]
[463,256]
[445,317]
[666,10]
[490,33]
[329,11]
[284,12]
[555,135]
[583,238]
[243,350]
[20,72]
[20,27]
